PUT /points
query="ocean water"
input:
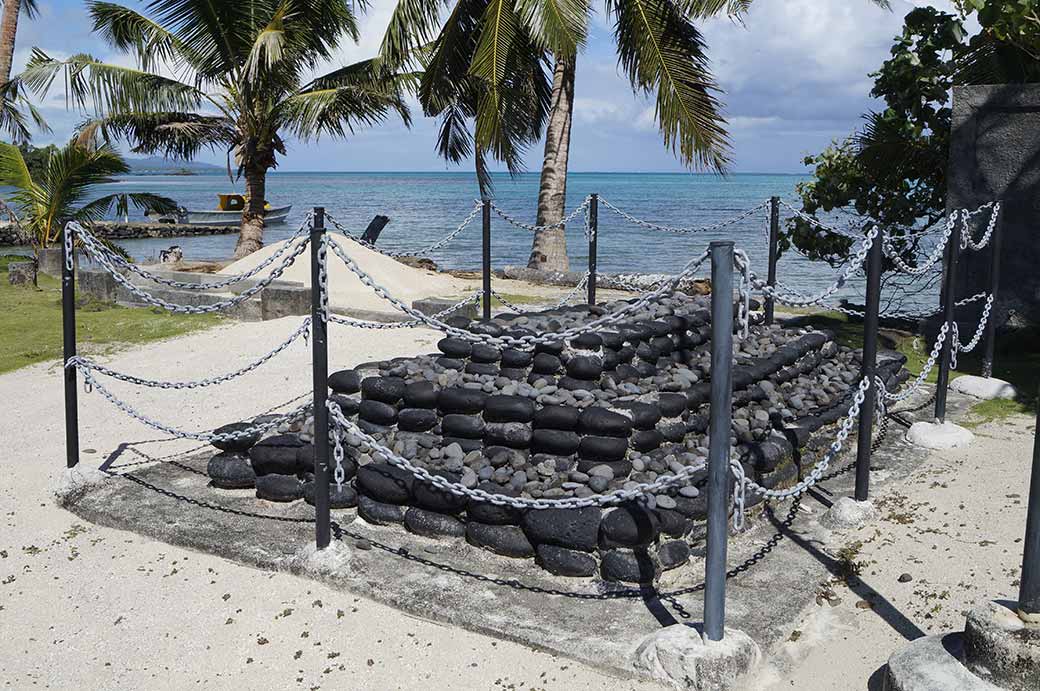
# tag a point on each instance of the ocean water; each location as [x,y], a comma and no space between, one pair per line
[424,207]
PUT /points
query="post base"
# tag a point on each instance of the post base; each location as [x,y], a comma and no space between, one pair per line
[985,388]
[849,514]
[74,482]
[939,435]
[323,562]
[681,657]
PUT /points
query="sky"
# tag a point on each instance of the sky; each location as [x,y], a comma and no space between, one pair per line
[794,77]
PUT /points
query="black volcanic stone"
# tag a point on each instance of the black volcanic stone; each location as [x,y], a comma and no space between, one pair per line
[611,340]
[677,324]
[458,348]
[627,566]
[378,513]
[241,443]
[627,372]
[646,440]
[697,424]
[435,499]
[560,561]
[587,367]
[554,441]
[546,363]
[485,353]
[416,420]
[433,524]
[513,373]
[305,461]
[673,523]
[572,384]
[693,507]
[648,353]
[486,328]
[673,554]
[604,423]
[386,483]
[515,435]
[674,431]
[644,415]
[465,426]
[485,512]
[663,344]
[277,455]
[509,409]
[347,404]
[516,359]
[621,468]
[466,445]
[551,348]
[460,400]
[346,498]
[672,404]
[602,449]
[346,381]
[459,321]
[610,361]
[377,413]
[626,354]
[420,394]
[557,417]
[587,341]
[372,428]
[387,390]
[451,363]
[698,395]
[231,470]
[645,369]
[660,328]
[629,525]
[507,540]
[571,528]
[280,488]
[483,368]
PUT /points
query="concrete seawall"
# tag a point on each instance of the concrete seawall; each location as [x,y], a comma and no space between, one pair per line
[10,236]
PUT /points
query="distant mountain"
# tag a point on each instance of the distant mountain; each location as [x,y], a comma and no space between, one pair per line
[157,165]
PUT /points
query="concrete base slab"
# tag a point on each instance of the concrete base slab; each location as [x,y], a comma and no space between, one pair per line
[849,514]
[77,481]
[1002,648]
[939,435]
[682,657]
[323,562]
[987,389]
[933,663]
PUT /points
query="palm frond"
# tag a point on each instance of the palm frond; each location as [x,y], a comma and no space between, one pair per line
[98,209]
[17,112]
[13,170]
[412,24]
[131,32]
[498,36]
[269,45]
[559,26]
[173,135]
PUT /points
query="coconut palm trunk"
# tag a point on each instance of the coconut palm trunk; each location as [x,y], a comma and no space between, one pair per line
[8,32]
[251,232]
[549,250]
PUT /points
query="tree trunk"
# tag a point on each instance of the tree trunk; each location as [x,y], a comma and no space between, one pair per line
[251,232]
[549,251]
[8,32]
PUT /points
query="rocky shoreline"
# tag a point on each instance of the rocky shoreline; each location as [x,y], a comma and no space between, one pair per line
[11,236]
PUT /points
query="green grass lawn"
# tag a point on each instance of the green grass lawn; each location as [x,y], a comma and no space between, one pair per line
[30,323]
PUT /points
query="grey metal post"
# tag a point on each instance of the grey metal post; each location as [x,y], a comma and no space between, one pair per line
[1029,589]
[869,368]
[949,305]
[774,251]
[68,333]
[486,256]
[718,451]
[593,245]
[320,372]
[995,245]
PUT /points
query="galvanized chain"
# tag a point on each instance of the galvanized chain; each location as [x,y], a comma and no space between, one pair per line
[121,262]
[86,364]
[684,230]
[143,295]
[410,324]
[68,240]
[355,436]
[921,378]
[323,277]
[904,314]
[581,285]
[819,225]
[505,302]
[967,241]
[254,429]
[933,258]
[418,253]
[979,331]
[521,341]
[548,226]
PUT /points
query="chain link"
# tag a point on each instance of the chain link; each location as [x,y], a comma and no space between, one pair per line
[67,239]
[548,226]
[967,241]
[410,324]
[933,258]
[418,253]
[684,230]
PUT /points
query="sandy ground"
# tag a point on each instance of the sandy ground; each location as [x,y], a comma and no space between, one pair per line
[83,607]
[89,607]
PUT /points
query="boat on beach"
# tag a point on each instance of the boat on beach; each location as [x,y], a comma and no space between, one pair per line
[228,213]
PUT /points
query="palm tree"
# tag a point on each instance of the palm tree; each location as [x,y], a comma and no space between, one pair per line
[9,31]
[241,83]
[60,193]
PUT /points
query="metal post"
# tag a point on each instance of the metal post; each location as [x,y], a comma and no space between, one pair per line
[593,245]
[486,257]
[718,452]
[774,250]
[949,303]
[320,372]
[68,332]
[1029,589]
[869,368]
[995,245]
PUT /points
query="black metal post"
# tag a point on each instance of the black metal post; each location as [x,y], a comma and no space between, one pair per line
[995,245]
[593,245]
[486,257]
[68,332]
[320,372]
[774,251]
[869,368]
[949,304]
[718,451]
[1029,589]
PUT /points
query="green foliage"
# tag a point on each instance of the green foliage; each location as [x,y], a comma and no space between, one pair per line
[36,158]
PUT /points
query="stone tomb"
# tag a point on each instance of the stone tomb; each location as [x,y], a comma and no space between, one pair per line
[589,416]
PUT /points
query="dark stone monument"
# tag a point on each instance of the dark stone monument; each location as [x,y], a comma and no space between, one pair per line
[995,155]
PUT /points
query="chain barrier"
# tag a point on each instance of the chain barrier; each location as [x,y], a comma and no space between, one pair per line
[410,324]
[548,226]
[819,225]
[967,241]
[932,259]
[66,238]
[684,230]
[418,253]
[978,332]
[933,358]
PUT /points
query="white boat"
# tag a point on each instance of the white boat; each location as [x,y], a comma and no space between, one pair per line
[228,213]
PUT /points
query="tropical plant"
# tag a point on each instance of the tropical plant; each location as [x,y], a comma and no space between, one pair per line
[64,190]
[242,83]
[9,32]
